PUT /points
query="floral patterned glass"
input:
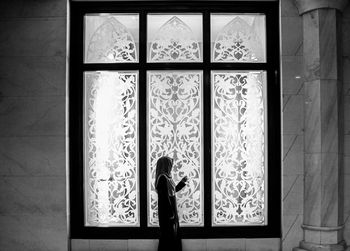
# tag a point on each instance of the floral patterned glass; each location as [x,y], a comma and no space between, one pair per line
[111,38]
[238,38]
[239,148]
[111,164]
[174,38]
[175,130]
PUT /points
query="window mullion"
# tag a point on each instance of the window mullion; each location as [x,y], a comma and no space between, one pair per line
[207,120]
[143,120]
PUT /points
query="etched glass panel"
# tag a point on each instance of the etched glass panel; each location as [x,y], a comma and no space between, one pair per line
[175,130]
[174,38]
[238,38]
[111,38]
[111,164]
[239,148]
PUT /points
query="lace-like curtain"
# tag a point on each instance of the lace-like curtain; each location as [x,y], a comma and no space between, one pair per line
[239,155]
[238,38]
[175,130]
[111,168]
[108,40]
[177,40]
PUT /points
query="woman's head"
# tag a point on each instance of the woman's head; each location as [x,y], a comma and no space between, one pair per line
[164,165]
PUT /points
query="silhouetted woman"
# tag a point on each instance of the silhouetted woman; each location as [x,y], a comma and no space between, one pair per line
[170,239]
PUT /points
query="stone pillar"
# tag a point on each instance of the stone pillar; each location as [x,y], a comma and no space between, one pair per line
[323,186]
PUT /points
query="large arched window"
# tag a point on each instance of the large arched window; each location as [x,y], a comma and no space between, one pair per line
[198,82]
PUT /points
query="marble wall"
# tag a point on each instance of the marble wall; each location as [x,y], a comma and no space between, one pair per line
[32,125]
[293,123]
[293,145]
[346,98]
[32,133]
[188,245]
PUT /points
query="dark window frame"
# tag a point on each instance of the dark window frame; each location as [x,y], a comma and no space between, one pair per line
[76,123]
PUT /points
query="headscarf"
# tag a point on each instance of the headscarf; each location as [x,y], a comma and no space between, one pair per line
[164,165]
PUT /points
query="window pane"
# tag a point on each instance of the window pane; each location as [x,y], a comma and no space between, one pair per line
[175,130]
[238,38]
[239,148]
[111,164]
[111,38]
[174,38]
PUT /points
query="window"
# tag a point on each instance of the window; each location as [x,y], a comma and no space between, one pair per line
[196,81]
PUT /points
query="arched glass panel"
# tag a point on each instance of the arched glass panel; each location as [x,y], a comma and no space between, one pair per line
[238,38]
[111,38]
[239,148]
[174,38]
[175,130]
[111,164]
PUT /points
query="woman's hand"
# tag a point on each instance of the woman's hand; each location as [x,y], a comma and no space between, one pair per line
[184,179]
[181,184]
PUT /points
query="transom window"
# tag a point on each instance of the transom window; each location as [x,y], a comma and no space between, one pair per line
[197,82]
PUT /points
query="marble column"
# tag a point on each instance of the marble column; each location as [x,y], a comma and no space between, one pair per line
[323,186]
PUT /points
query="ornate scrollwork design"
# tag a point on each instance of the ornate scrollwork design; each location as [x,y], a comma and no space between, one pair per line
[111,149]
[175,130]
[110,43]
[237,42]
[174,42]
[238,154]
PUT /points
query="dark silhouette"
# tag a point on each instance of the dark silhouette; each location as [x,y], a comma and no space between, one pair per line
[170,239]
